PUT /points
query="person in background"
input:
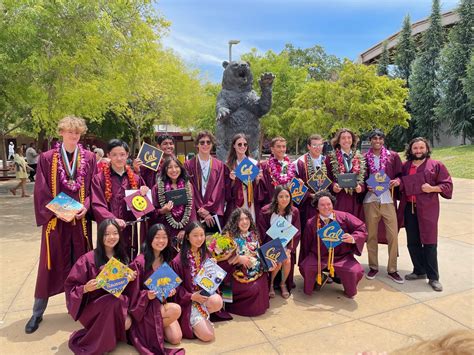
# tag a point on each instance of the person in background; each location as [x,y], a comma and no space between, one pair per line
[21,169]
[32,160]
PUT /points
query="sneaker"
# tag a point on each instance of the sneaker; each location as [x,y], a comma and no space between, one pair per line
[436,285]
[371,274]
[413,276]
[395,277]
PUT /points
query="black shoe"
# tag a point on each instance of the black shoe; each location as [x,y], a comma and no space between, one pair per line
[436,285]
[33,324]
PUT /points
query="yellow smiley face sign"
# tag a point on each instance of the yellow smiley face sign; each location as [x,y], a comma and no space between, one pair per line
[139,203]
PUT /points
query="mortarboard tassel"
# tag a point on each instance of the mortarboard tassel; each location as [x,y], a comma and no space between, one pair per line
[249,192]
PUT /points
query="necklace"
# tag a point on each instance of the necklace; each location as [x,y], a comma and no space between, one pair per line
[384,153]
[183,212]
[71,176]
[108,181]
[281,173]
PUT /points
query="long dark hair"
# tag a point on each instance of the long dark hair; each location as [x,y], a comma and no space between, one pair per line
[337,137]
[408,152]
[187,245]
[232,157]
[232,226]
[164,176]
[166,253]
[100,258]
[274,203]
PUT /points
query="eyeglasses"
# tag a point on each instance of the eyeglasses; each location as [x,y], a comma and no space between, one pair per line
[242,144]
[208,142]
[317,145]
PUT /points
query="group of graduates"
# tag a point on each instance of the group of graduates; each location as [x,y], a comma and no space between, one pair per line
[216,197]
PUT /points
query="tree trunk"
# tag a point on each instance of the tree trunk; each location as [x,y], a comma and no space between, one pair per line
[297,145]
[3,154]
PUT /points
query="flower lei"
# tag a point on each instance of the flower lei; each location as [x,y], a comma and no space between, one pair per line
[308,161]
[194,260]
[179,211]
[384,153]
[281,175]
[69,182]
[358,165]
[108,180]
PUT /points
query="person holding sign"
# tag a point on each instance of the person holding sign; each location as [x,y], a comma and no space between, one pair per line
[166,144]
[281,205]
[174,216]
[104,316]
[346,163]
[196,305]
[239,193]
[67,168]
[306,167]
[154,319]
[423,181]
[250,282]
[108,192]
[380,210]
[314,255]
[207,177]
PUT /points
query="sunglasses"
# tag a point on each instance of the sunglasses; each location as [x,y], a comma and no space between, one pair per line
[242,144]
[317,145]
[205,142]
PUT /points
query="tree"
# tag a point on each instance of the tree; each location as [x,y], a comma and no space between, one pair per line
[359,100]
[424,94]
[469,80]
[206,118]
[382,65]
[454,106]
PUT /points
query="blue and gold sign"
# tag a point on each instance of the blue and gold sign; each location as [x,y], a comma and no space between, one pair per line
[246,171]
[319,181]
[150,156]
[163,281]
[331,234]
[379,182]
[282,229]
[272,252]
[298,190]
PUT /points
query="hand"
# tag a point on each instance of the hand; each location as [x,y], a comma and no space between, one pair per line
[336,188]
[180,235]
[245,261]
[167,207]
[132,276]
[136,164]
[274,266]
[232,175]
[266,80]
[197,297]
[427,188]
[370,189]
[288,253]
[151,295]
[394,182]
[358,189]
[90,286]
[347,238]
[210,222]
[144,190]
[122,224]
[81,213]
[202,212]
[259,176]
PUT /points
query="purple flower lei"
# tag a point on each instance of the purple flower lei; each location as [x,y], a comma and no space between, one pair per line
[383,160]
[80,169]
[281,175]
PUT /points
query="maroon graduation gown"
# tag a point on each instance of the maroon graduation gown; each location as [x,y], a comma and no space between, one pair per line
[101,313]
[214,198]
[345,201]
[393,168]
[146,333]
[346,267]
[67,241]
[116,207]
[427,204]
[264,224]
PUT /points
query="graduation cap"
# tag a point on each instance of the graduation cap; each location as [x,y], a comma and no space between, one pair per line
[298,190]
[246,171]
[138,204]
[282,229]
[150,156]
[319,181]
[379,182]
[272,252]
[331,236]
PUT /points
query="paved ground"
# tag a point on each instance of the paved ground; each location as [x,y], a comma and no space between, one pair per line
[384,316]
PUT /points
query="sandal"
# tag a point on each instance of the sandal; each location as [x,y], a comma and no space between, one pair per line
[13,192]
[284,291]
[271,293]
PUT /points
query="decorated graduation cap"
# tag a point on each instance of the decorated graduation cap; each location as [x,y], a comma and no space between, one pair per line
[282,229]
[150,156]
[298,190]
[246,172]
[163,281]
[319,181]
[379,182]
[331,236]
[138,204]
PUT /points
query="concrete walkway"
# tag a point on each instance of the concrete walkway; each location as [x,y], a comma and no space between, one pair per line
[383,316]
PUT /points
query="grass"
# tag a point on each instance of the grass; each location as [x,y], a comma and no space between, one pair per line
[459,160]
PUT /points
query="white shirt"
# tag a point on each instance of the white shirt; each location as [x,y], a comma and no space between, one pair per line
[31,155]
[205,170]
[317,162]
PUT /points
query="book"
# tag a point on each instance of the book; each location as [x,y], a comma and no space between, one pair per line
[319,181]
[178,197]
[114,277]
[163,281]
[220,245]
[347,181]
[379,182]
[150,156]
[246,171]
[282,229]
[298,190]
[138,204]
[210,276]
[331,234]
[64,206]
[272,252]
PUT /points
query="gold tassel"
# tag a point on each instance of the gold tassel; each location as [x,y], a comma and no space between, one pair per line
[319,277]
[249,192]
[50,227]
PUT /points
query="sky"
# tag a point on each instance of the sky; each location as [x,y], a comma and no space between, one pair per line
[200,29]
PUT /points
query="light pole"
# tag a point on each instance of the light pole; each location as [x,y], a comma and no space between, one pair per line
[231,42]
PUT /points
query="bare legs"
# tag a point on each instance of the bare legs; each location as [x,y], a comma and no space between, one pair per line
[204,330]
[285,268]
[22,185]
[170,312]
